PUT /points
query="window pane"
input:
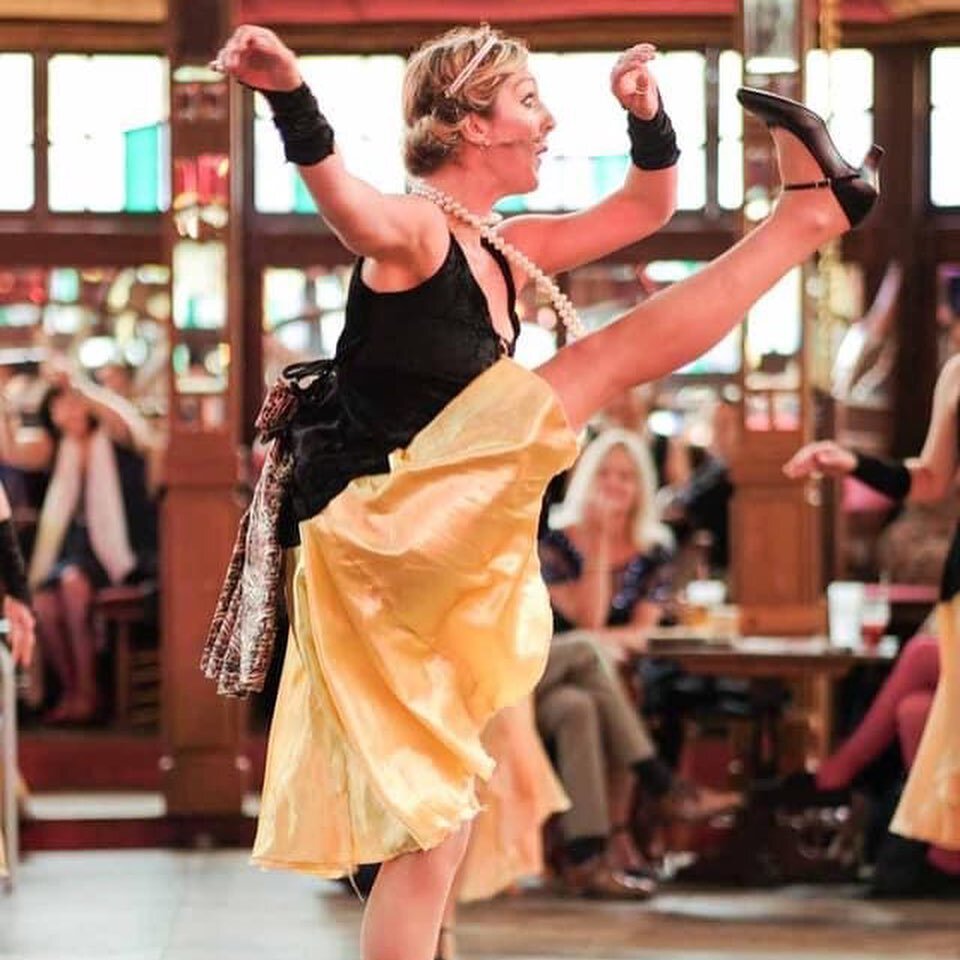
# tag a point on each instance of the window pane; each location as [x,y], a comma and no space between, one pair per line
[303,314]
[944,126]
[273,178]
[588,156]
[944,76]
[360,96]
[730,124]
[730,174]
[127,145]
[730,77]
[16,121]
[692,178]
[839,86]
[575,88]
[944,149]
[774,321]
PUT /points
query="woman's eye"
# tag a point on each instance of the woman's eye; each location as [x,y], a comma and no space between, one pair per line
[530,100]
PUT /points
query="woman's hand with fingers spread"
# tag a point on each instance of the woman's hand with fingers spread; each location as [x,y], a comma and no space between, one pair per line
[823,458]
[258,58]
[633,83]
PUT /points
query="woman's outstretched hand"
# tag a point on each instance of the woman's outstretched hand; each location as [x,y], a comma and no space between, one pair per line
[258,58]
[823,458]
[633,83]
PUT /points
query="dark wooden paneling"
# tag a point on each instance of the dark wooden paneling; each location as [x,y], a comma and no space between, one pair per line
[901,123]
[83,243]
[89,760]
[559,34]
[201,27]
[69,37]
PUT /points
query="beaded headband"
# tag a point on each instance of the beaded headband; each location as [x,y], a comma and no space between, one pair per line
[464,75]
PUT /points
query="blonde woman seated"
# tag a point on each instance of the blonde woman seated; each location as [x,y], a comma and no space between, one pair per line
[606,557]
[606,564]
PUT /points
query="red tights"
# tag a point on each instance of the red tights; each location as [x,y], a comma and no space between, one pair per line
[899,711]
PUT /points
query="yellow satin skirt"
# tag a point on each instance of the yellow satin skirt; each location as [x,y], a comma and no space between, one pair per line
[417,614]
[506,841]
[930,806]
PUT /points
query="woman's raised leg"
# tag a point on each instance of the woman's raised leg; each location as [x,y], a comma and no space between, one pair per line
[406,905]
[678,324]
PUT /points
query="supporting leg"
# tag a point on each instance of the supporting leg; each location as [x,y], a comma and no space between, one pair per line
[403,914]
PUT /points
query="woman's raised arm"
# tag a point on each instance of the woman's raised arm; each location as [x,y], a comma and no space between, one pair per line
[369,223]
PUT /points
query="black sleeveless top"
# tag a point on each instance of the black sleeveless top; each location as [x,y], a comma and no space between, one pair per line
[402,357]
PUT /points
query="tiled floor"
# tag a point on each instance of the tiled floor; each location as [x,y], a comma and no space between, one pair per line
[159,905]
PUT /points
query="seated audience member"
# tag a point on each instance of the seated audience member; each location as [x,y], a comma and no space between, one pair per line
[97,525]
[898,714]
[606,556]
[703,502]
[606,564]
[602,752]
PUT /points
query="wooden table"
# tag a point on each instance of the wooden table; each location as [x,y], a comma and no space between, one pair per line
[809,659]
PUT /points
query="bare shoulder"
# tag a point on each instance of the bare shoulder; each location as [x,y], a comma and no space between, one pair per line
[419,250]
[428,227]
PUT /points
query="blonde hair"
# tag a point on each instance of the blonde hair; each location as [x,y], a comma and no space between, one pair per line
[646,529]
[434,120]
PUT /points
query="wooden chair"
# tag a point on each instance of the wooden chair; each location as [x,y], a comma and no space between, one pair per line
[125,617]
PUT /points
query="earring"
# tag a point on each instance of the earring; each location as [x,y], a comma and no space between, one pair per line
[484,144]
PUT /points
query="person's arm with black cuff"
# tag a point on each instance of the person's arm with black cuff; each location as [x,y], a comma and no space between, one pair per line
[923,479]
[368,222]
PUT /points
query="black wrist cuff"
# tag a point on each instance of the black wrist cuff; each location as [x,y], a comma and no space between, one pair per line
[889,477]
[307,137]
[653,142]
[12,570]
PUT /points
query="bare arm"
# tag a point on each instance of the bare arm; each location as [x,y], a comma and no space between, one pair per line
[406,231]
[639,208]
[931,473]
[118,416]
[585,602]
[25,449]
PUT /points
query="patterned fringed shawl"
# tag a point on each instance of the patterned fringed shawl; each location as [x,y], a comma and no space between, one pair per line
[241,639]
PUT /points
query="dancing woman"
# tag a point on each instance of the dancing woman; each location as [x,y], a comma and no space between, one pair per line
[417,607]
[929,808]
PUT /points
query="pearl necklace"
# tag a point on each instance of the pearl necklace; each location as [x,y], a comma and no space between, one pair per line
[558,299]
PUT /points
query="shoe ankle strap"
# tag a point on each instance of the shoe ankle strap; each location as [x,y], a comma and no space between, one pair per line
[818,184]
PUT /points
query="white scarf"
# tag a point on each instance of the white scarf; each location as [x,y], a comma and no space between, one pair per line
[103,508]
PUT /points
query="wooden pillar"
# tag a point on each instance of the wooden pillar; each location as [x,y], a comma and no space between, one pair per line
[203,774]
[902,95]
[776,552]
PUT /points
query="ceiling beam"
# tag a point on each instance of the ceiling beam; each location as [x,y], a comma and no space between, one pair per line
[115,11]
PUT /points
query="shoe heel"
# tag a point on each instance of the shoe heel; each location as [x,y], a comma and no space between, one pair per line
[871,164]
[858,195]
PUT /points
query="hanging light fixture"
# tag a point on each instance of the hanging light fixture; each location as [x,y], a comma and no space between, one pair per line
[771,32]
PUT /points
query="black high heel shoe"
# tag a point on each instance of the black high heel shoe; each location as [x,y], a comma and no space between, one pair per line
[856,190]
